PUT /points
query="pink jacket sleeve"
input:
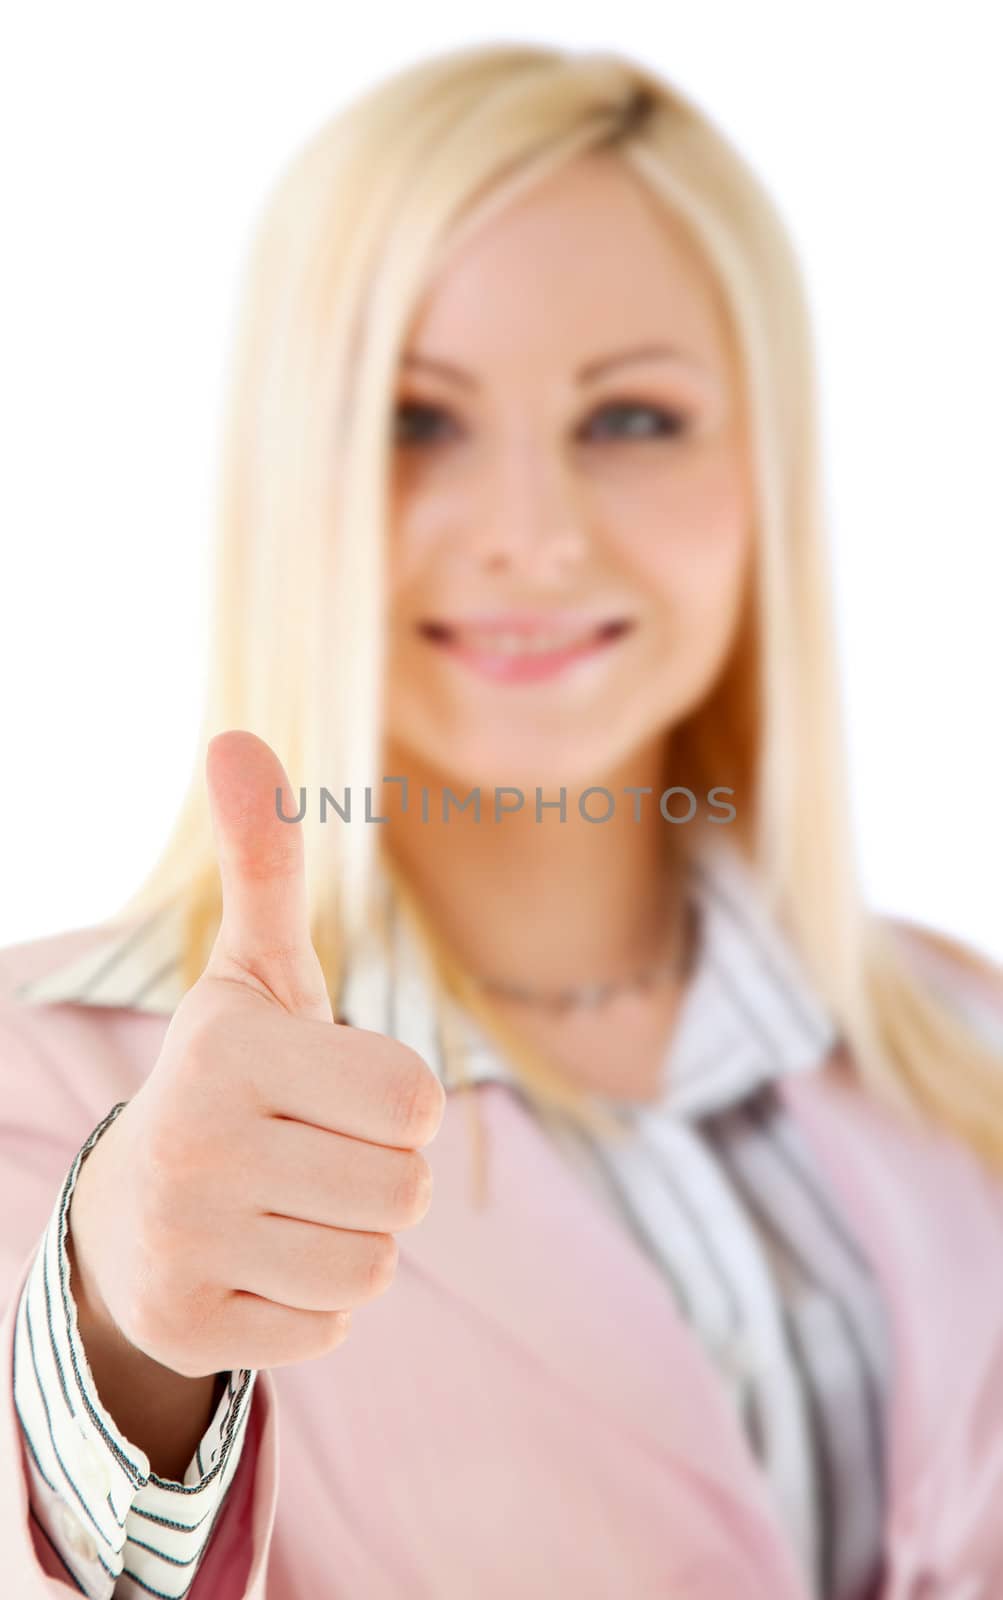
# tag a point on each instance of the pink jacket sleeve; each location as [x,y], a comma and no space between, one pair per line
[79,1510]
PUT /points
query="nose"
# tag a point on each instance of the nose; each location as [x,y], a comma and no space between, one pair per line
[530,519]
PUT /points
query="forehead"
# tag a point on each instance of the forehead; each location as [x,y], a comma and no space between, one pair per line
[583,262]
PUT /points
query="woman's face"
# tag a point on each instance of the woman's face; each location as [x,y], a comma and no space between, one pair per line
[571,506]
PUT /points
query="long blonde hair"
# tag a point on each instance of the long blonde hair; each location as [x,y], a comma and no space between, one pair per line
[349,239]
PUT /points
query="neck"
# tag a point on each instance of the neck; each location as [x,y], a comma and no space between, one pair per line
[548,903]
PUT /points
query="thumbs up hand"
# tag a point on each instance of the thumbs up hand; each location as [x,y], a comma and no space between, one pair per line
[246,1199]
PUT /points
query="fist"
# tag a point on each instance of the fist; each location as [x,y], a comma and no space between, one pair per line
[246,1199]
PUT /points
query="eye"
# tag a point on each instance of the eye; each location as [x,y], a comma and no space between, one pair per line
[416,423]
[635,419]
[420,424]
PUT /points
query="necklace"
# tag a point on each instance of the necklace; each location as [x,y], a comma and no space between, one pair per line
[592,995]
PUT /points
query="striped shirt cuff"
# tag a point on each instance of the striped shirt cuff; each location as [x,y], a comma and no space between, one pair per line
[118,1528]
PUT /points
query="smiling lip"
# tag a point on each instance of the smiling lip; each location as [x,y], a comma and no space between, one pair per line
[518,647]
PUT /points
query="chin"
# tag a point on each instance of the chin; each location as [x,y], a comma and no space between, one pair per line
[511,766]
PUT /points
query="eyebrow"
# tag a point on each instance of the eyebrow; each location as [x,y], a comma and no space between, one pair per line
[586,374]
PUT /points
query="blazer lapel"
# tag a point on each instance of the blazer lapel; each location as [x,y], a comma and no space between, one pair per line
[543,1262]
[922,1212]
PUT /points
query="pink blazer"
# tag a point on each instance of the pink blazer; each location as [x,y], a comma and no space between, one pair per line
[524,1413]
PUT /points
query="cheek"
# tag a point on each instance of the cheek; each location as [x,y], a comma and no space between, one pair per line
[418,509]
[685,536]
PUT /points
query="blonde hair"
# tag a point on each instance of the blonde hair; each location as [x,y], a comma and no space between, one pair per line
[350,237]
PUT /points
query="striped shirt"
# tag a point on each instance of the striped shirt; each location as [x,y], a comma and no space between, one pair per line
[710,1180]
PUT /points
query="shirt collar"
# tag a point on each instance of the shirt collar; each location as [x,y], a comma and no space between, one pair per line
[749,1014]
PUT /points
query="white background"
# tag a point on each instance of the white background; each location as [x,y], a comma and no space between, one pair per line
[137,144]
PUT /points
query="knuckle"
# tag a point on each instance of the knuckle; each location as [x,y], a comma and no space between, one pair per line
[335,1329]
[318,1334]
[417,1101]
[382,1264]
[413,1193]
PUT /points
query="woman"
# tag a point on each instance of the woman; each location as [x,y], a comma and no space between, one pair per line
[701,1305]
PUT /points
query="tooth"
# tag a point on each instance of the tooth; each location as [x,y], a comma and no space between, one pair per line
[514,644]
[523,644]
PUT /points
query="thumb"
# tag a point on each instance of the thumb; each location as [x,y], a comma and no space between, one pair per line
[265,928]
